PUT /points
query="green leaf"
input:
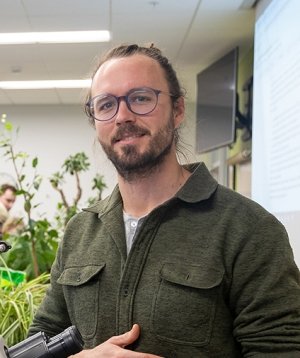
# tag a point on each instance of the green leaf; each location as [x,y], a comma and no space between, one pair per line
[27,206]
[76,163]
[18,304]
[60,205]
[37,182]
[8,126]
[35,162]
[53,233]
[21,155]
[21,192]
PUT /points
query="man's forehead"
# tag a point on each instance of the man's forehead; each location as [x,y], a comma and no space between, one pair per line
[133,60]
[141,64]
[9,193]
[132,71]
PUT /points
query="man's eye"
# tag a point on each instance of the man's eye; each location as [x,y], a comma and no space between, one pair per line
[104,105]
[140,99]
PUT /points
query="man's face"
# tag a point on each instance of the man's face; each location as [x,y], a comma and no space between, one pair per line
[8,199]
[136,144]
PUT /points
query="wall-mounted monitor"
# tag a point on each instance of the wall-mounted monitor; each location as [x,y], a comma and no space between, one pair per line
[216,103]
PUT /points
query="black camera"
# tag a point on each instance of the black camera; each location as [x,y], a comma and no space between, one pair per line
[4,246]
[39,345]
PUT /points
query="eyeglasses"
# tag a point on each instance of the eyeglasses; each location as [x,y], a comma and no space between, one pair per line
[140,101]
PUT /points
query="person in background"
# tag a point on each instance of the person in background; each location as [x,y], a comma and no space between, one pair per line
[171,264]
[7,200]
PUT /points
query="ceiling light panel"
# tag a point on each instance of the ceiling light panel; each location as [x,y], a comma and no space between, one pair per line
[14,38]
[12,85]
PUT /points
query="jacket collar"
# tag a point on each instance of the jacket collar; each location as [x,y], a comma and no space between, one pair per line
[200,186]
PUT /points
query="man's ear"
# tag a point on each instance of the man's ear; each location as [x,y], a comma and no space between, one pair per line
[179,110]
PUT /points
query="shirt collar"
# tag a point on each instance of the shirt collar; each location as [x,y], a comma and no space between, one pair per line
[200,186]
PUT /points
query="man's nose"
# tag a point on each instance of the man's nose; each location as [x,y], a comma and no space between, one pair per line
[124,114]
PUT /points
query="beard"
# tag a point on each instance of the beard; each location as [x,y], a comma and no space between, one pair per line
[131,164]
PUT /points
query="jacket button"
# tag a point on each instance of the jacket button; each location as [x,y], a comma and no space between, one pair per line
[125,292]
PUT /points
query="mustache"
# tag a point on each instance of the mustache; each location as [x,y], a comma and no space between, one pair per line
[128,130]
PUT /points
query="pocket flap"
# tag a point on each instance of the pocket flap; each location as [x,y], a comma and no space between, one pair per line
[191,275]
[76,276]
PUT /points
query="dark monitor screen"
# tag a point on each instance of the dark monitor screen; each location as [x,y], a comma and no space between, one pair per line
[216,103]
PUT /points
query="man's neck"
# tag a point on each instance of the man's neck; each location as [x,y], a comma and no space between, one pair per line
[144,194]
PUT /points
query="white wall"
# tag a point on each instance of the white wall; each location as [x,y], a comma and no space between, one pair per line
[188,133]
[52,133]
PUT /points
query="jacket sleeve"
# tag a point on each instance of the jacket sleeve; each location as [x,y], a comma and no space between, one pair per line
[265,293]
[52,315]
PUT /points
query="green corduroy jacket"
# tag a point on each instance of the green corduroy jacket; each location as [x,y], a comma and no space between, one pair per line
[210,274]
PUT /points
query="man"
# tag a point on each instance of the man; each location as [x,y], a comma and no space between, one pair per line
[171,264]
[7,200]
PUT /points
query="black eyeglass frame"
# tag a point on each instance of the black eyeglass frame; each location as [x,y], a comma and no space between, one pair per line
[88,106]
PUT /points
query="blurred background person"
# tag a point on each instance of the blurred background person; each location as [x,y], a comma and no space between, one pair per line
[7,200]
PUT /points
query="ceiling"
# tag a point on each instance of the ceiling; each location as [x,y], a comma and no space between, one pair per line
[192,33]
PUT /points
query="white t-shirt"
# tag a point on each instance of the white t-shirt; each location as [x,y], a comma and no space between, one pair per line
[132,224]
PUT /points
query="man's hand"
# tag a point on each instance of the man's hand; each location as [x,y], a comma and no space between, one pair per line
[115,347]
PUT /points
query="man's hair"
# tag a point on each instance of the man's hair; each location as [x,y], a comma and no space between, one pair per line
[152,52]
[5,187]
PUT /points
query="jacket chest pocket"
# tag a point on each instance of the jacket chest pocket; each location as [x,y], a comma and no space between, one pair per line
[81,290]
[184,305]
